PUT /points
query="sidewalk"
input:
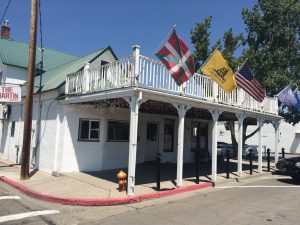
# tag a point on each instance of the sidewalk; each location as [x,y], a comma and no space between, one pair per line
[100,188]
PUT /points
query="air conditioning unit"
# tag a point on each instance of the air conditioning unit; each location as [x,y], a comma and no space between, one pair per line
[4,112]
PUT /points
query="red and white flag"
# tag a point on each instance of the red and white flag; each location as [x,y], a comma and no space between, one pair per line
[177,57]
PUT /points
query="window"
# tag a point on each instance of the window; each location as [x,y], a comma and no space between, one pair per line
[12,129]
[103,62]
[169,135]
[118,131]
[152,131]
[89,130]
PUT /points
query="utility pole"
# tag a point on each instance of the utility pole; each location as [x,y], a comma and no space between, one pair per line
[29,94]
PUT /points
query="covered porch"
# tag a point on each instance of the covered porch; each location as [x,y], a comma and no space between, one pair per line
[140,81]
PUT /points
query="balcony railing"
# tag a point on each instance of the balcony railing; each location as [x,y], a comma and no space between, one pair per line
[151,74]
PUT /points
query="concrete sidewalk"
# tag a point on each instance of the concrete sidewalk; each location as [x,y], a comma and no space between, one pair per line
[101,188]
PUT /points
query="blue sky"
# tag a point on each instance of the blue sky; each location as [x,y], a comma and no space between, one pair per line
[83,26]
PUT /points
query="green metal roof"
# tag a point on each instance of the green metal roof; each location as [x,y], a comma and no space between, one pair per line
[16,53]
[56,77]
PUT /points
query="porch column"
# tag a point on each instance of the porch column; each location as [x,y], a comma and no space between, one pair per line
[260,123]
[215,116]
[134,115]
[240,144]
[276,127]
[181,113]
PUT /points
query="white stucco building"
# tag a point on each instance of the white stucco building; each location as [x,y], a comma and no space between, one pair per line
[99,112]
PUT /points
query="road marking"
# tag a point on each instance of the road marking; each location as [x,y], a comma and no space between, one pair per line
[275,177]
[9,197]
[259,186]
[27,214]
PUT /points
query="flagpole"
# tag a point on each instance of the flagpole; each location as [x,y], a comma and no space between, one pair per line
[167,36]
[239,67]
[209,56]
[283,90]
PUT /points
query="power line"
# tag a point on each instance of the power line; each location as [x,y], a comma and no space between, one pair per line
[5,11]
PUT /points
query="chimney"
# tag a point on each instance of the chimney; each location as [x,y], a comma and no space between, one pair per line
[5,30]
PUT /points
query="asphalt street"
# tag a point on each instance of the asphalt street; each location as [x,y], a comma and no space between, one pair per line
[267,199]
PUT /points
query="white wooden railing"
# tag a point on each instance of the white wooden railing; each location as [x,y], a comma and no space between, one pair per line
[152,74]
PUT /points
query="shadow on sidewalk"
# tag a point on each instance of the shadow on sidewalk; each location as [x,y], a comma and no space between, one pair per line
[146,172]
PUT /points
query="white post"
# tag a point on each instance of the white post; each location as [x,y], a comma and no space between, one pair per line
[215,91]
[260,123]
[136,62]
[276,126]
[240,96]
[67,86]
[181,112]
[240,144]
[57,143]
[134,115]
[86,78]
[215,116]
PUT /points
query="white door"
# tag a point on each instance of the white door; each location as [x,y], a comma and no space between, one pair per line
[152,141]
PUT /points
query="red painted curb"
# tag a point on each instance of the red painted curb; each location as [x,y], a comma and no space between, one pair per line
[100,202]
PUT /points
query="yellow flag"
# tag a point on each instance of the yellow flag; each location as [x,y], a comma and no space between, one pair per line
[218,69]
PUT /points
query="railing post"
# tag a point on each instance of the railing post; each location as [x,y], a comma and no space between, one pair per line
[275,105]
[215,91]
[136,63]
[240,97]
[86,78]
[67,85]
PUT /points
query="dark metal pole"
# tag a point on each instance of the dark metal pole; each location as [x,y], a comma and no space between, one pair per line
[227,163]
[29,94]
[283,152]
[197,166]
[251,163]
[269,158]
[158,171]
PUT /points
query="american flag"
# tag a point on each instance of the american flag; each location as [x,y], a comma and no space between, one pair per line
[247,81]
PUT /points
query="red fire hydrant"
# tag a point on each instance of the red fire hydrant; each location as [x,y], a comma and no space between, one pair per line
[122,181]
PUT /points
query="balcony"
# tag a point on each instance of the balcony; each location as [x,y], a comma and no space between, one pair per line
[143,72]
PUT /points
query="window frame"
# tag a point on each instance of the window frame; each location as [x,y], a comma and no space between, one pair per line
[172,149]
[89,139]
[117,121]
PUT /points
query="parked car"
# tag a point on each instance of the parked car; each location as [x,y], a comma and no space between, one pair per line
[222,148]
[247,149]
[290,167]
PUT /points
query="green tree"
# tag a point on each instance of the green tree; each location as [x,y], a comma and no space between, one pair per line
[200,38]
[272,50]
[272,28]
